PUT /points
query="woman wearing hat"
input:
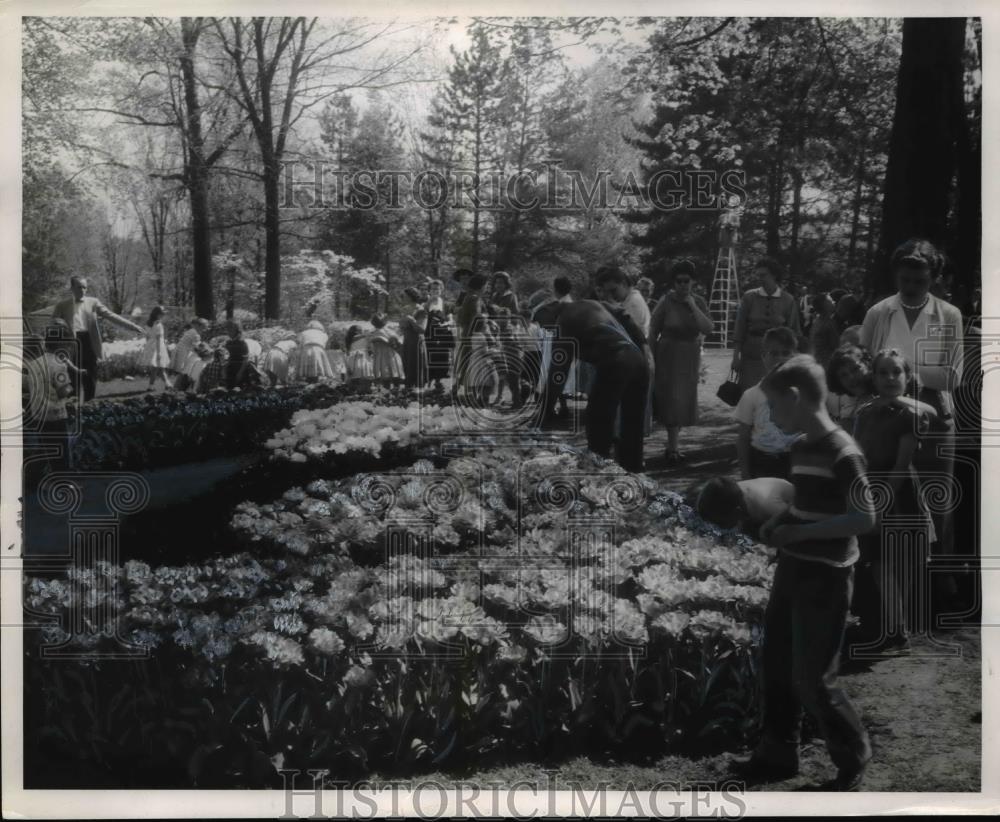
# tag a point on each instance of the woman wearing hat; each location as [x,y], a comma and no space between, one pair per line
[312,361]
[675,334]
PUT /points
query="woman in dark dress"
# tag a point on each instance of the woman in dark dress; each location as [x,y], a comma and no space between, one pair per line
[439,340]
[676,328]
[414,326]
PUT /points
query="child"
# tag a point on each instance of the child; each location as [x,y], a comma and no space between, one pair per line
[387,364]
[214,374]
[359,354]
[276,361]
[810,596]
[824,335]
[239,354]
[849,384]
[155,355]
[336,357]
[763,449]
[200,357]
[747,504]
[47,386]
[851,335]
[888,430]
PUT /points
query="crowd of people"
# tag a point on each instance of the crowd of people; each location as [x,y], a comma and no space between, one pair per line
[839,395]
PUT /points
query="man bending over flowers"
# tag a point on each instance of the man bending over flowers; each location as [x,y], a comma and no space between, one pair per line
[617,349]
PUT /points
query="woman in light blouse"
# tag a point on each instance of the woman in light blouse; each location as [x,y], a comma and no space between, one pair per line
[761,309]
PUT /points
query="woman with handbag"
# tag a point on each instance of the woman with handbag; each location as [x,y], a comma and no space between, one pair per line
[761,309]
[676,328]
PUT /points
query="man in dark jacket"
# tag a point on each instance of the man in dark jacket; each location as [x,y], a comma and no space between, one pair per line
[618,350]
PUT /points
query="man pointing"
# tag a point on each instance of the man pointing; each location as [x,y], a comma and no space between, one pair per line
[80,313]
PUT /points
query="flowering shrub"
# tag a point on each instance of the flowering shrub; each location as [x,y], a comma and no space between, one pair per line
[168,429]
[424,618]
[358,427]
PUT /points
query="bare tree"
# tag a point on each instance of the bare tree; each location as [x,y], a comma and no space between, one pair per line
[283,67]
[119,277]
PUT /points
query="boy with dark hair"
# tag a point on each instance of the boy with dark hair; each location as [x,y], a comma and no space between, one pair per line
[811,594]
[562,286]
[747,504]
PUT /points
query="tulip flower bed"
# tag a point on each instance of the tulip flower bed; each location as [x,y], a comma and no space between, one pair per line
[156,430]
[122,358]
[510,604]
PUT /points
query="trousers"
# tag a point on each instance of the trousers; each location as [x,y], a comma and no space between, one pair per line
[803,630]
[621,380]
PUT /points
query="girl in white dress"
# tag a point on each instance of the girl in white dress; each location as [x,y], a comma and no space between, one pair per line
[360,363]
[155,355]
[276,361]
[312,361]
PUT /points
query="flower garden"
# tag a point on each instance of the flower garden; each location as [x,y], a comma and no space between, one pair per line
[419,597]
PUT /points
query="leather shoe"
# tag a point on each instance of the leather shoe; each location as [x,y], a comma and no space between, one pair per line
[760,769]
[848,780]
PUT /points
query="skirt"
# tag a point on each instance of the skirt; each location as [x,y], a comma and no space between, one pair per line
[386,363]
[313,363]
[678,363]
[156,355]
[359,365]
[276,362]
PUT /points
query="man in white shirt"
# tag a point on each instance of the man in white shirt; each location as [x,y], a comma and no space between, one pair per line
[80,313]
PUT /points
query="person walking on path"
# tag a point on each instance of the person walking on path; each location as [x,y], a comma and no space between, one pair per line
[81,313]
[155,356]
[806,615]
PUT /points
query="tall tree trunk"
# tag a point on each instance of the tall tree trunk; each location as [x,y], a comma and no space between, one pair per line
[797,182]
[967,246]
[870,249]
[858,201]
[773,219]
[197,176]
[272,237]
[922,144]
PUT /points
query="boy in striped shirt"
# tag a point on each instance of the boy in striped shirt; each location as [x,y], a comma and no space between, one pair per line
[811,594]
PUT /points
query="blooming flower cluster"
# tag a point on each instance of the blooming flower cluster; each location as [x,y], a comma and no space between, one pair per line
[360,427]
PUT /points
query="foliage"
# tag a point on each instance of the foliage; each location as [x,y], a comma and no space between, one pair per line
[397,663]
[802,106]
[156,430]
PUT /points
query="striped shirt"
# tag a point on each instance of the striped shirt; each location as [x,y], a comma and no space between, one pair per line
[826,473]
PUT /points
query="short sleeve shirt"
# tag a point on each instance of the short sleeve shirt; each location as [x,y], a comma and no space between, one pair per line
[753,410]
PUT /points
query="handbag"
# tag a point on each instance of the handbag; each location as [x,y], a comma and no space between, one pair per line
[730,391]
